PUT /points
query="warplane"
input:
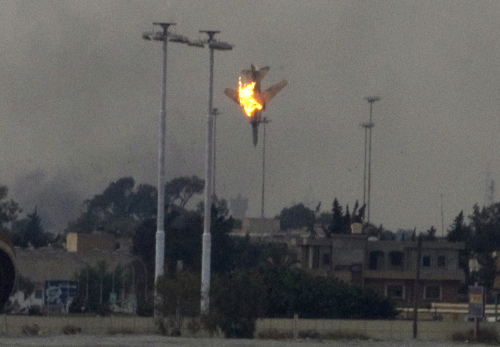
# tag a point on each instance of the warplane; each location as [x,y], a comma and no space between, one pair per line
[250,97]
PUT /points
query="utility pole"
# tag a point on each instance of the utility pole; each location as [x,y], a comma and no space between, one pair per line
[264,121]
[415,289]
[207,237]
[371,100]
[160,217]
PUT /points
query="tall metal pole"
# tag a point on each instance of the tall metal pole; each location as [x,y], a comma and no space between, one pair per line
[264,121]
[160,231]
[216,113]
[209,166]
[371,100]
[366,126]
[207,237]
[415,288]
[160,216]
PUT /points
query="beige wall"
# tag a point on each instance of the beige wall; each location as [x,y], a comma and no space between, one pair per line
[86,243]
[12,326]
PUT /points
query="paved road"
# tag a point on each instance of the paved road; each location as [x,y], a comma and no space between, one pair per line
[154,340]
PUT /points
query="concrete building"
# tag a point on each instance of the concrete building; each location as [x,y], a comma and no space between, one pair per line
[48,267]
[387,267]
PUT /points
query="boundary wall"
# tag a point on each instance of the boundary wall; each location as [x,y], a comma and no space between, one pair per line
[374,329]
[12,326]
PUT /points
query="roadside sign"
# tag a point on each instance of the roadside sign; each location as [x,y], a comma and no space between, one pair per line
[476,301]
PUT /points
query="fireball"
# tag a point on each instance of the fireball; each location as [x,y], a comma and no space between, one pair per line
[247,98]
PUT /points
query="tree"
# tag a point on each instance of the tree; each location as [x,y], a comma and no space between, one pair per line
[223,255]
[485,228]
[181,189]
[122,207]
[341,222]
[181,297]
[30,231]
[297,217]
[485,239]
[144,202]
[144,246]
[118,210]
[238,299]
[96,285]
[459,231]
[430,234]
[183,237]
[9,209]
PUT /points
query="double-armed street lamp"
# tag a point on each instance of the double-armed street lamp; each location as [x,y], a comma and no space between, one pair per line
[164,36]
[209,165]
[213,44]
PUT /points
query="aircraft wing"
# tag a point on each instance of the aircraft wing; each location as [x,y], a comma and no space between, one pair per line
[270,92]
[232,94]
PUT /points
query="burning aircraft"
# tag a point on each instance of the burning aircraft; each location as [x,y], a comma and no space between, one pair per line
[7,269]
[250,97]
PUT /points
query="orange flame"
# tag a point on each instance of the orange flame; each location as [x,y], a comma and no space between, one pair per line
[247,99]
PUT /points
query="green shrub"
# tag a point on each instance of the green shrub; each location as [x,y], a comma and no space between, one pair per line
[239,299]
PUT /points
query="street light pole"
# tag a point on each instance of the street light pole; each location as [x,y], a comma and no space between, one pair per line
[207,237]
[371,100]
[164,36]
[264,121]
[216,113]
[366,126]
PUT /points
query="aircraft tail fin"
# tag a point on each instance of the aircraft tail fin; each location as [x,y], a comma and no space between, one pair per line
[254,74]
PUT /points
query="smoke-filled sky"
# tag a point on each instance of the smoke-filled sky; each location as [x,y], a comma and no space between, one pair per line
[80,96]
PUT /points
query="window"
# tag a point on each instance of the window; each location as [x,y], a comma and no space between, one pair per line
[326,259]
[396,291]
[373,265]
[441,261]
[396,258]
[426,261]
[315,263]
[432,292]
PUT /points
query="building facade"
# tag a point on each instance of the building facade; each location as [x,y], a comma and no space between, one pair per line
[387,267]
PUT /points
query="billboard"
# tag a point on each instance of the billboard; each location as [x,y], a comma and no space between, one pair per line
[476,301]
[60,293]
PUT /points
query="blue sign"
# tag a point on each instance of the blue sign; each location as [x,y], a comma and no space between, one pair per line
[60,292]
[476,301]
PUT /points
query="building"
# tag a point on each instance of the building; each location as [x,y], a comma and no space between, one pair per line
[387,267]
[53,270]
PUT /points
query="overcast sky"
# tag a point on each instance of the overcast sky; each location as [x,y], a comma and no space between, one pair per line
[80,97]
